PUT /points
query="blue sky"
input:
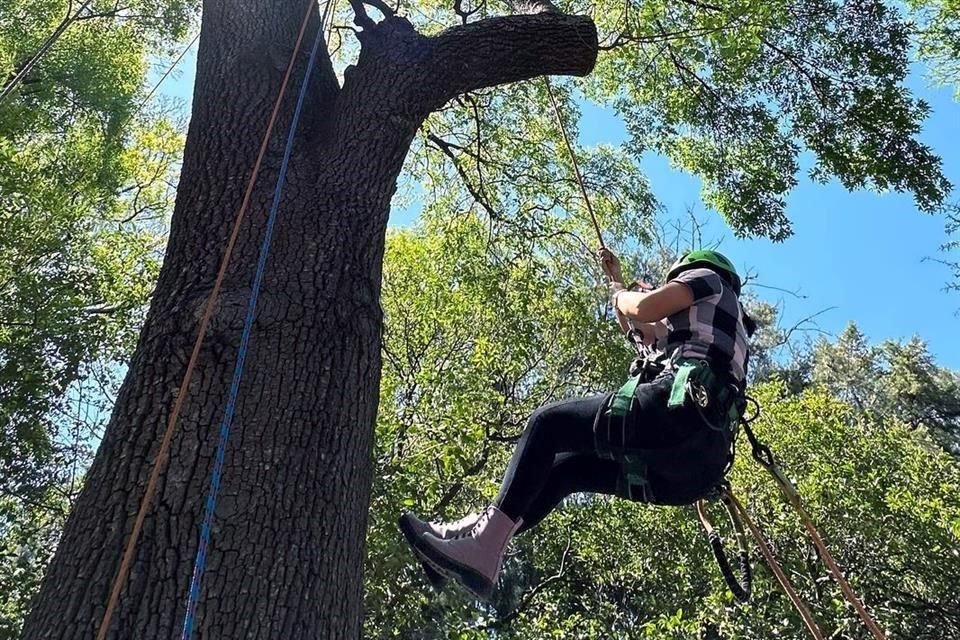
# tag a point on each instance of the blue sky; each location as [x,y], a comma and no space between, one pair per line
[832,258]
[864,253]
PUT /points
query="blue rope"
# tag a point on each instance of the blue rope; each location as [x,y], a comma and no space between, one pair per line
[201,559]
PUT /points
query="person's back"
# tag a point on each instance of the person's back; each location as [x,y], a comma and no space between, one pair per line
[713,326]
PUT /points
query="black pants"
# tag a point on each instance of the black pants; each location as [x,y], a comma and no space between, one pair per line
[556,456]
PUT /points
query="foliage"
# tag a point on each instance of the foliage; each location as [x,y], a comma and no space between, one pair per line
[28,538]
[465,361]
[893,380]
[493,308]
[937,29]
[951,248]
[736,92]
[474,341]
[84,195]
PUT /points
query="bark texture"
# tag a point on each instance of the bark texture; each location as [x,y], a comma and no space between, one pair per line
[287,547]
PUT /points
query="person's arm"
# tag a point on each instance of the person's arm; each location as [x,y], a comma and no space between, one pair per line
[635,307]
[625,325]
[651,331]
[654,306]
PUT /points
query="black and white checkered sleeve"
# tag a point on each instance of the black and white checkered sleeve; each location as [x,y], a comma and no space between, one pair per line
[702,282]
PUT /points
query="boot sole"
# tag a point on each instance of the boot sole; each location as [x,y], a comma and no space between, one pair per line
[473,580]
[434,576]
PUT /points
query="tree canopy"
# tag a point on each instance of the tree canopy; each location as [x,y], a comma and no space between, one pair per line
[735,93]
[937,29]
[858,438]
[86,188]
[492,305]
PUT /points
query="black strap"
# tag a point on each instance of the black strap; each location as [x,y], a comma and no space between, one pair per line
[740,582]
[611,419]
[601,431]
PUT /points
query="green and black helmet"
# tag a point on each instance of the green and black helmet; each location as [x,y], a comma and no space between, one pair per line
[706,259]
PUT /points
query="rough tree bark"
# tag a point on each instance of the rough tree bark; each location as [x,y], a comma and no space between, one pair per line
[288,541]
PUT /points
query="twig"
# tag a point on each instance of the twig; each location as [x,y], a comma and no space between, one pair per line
[529,597]
[797,326]
[446,148]
[795,294]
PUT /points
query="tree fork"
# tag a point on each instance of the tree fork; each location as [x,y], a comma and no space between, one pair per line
[287,548]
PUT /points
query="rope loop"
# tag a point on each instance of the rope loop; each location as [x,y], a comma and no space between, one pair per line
[761,452]
[749,400]
[740,585]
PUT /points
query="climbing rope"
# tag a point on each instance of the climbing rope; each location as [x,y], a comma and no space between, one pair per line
[167,73]
[763,456]
[211,505]
[573,161]
[633,336]
[778,572]
[164,449]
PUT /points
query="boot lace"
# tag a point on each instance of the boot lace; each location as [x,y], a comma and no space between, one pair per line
[473,531]
[444,527]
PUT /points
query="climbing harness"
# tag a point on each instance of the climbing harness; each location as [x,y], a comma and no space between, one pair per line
[695,382]
[693,379]
[164,448]
[611,421]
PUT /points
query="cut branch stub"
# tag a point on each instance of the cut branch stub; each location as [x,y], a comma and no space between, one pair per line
[510,49]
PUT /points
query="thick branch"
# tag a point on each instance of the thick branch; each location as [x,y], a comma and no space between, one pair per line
[360,16]
[510,49]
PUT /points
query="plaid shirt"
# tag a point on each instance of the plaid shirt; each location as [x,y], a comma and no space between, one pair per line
[712,327]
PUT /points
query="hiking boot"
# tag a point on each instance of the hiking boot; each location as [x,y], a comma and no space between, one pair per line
[414,528]
[474,556]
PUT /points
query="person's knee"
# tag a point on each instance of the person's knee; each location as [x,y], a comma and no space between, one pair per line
[563,426]
[541,420]
[573,474]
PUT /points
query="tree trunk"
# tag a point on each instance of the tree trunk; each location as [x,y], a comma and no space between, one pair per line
[287,544]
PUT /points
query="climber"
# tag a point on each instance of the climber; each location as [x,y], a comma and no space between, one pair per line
[670,443]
